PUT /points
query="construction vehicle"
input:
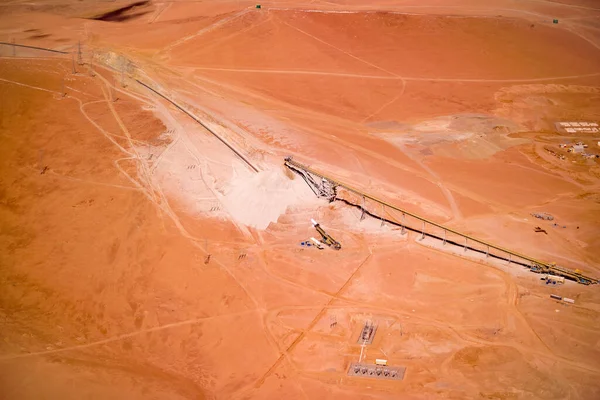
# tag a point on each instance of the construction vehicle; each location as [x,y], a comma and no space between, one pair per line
[553,279]
[325,237]
[544,216]
[318,244]
[553,269]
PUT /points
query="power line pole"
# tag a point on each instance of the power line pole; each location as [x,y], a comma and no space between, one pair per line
[79,57]
[92,65]
[113,90]
[41,160]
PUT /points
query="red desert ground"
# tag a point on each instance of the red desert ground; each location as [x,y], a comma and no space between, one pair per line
[155,244]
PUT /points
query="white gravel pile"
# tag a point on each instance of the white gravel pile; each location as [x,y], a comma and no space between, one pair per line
[257,200]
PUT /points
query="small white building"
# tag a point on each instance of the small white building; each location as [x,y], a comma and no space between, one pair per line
[578,148]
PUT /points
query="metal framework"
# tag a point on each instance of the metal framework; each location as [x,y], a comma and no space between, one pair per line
[533,264]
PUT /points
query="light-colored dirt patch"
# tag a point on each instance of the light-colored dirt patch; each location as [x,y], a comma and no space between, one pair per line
[141,258]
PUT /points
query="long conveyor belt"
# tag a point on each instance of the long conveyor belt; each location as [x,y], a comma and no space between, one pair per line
[536,265]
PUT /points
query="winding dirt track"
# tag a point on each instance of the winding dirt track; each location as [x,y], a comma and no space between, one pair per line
[257,245]
[202,31]
[126,336]
[395,77]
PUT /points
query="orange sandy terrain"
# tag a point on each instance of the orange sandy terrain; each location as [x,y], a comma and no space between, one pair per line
[141,258]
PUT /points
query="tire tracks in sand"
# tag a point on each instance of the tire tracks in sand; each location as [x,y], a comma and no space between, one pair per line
[204,30]
[155,195]
[399,77]
[127,335]
[394,77]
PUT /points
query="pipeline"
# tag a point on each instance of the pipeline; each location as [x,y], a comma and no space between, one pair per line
[535,266]
[236,152]
[35,47]
[192,116]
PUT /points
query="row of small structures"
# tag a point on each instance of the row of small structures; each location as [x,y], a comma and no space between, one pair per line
[578,148]
[379,370]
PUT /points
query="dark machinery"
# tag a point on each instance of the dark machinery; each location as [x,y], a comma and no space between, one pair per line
[325,186]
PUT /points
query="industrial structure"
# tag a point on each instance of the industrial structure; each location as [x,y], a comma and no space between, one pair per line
[325,186]
[365,370]
[544,216]
[325,237]
[367,334]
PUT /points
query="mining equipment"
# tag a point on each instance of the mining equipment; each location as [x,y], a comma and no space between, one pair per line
[367,333]
[544,216]
[553,269]
[553,279]
[318,244]
[325,186]
[325,237]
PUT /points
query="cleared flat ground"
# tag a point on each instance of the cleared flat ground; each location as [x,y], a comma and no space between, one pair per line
[139,258]
[381,65]
[392,44]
